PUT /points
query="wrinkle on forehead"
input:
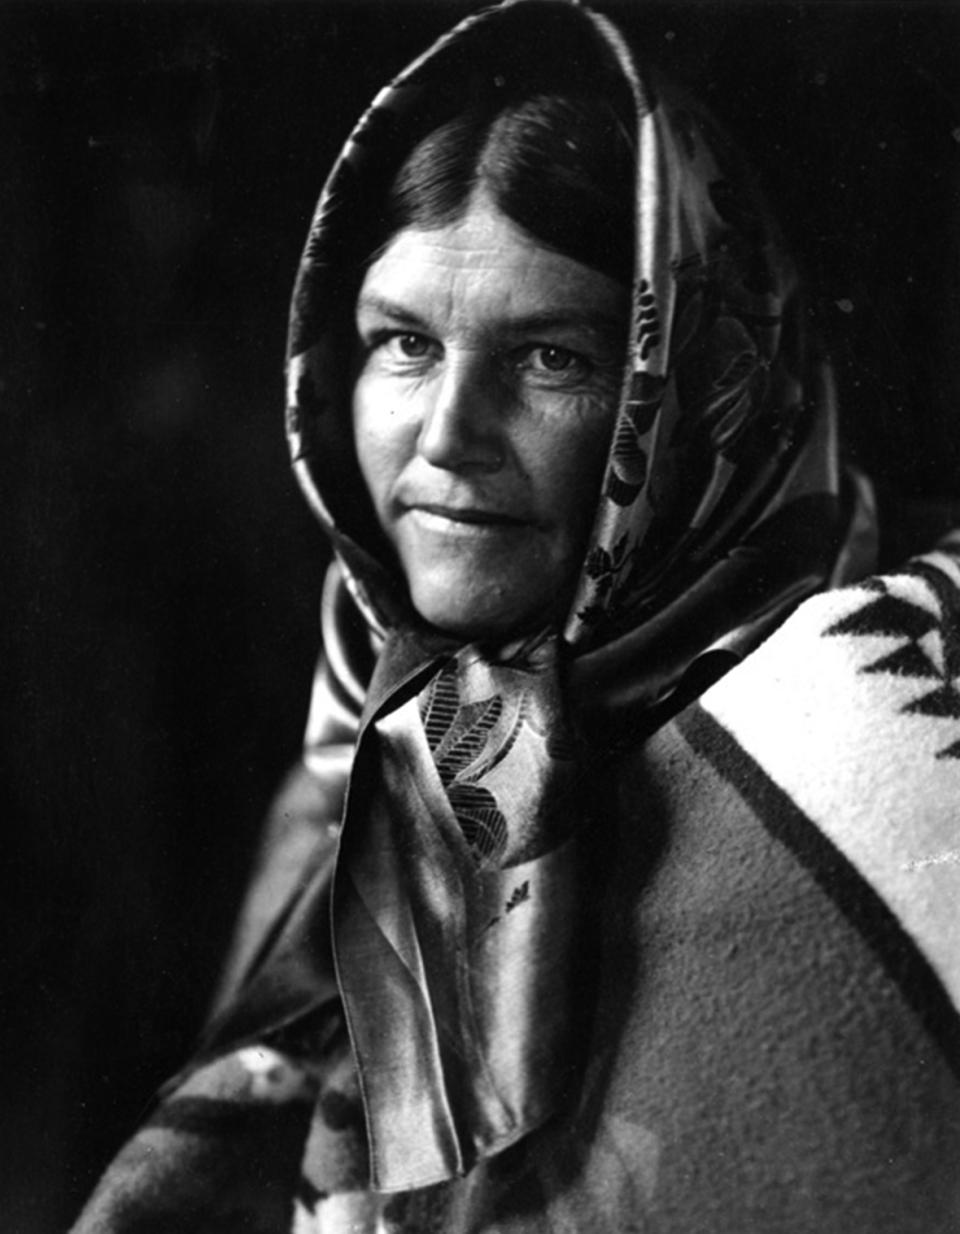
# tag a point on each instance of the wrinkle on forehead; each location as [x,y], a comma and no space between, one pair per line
[484,272]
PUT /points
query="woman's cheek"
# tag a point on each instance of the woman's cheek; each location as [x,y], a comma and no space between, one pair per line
[376,426]
[574,428]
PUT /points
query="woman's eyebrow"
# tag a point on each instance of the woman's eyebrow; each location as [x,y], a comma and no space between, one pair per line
[609,325]
[368,302]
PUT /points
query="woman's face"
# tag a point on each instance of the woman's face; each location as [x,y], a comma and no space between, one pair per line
[488,384]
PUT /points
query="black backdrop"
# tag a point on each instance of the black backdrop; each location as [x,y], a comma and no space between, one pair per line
[159,580]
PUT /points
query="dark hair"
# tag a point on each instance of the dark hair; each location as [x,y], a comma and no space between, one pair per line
[562,168]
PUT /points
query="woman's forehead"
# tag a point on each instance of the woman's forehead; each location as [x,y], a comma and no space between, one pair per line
[484,269]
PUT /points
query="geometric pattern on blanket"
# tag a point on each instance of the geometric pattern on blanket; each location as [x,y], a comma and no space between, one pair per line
[851,709]
[930,647]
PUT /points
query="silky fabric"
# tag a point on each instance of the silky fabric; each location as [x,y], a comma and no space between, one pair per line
[457,911]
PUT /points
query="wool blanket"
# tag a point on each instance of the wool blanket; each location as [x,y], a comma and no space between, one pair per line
[775,1036]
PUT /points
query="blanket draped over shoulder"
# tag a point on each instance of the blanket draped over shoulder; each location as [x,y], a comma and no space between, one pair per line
[776,1043]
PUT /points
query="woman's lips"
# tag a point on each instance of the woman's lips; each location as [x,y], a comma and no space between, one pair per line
[473,515]
[476,521]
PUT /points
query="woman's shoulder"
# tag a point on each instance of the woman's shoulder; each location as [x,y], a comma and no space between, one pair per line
[853,704]
[878,660]
[838,739]
[782,940]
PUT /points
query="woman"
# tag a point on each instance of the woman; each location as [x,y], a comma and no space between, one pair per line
[608,893]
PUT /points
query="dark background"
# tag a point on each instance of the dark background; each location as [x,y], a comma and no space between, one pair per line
[160,579]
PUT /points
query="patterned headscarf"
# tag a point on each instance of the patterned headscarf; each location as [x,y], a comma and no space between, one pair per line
[473,813]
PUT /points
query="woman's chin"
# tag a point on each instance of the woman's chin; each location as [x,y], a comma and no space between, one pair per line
[478,615]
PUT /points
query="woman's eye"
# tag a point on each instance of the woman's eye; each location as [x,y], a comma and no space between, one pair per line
[399,350]
[545,360]
[555,359]
[411,346]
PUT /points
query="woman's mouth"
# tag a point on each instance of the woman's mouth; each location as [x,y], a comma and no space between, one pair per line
[476,516]
[475,521]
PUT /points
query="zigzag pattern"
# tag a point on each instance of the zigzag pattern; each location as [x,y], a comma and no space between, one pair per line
[891,616]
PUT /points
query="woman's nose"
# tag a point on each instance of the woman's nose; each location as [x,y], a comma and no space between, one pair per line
[463,425]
